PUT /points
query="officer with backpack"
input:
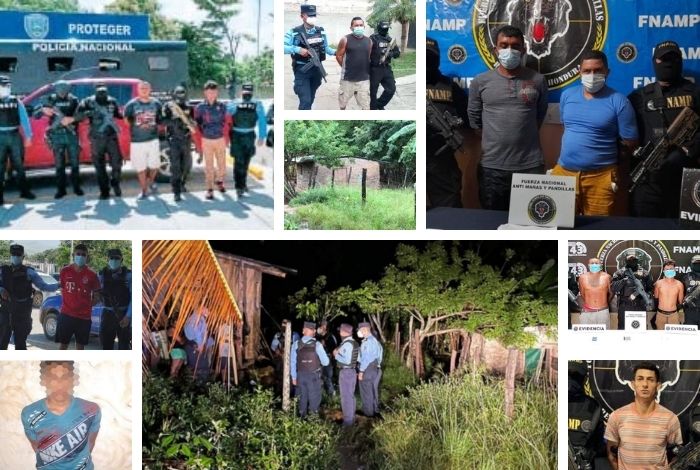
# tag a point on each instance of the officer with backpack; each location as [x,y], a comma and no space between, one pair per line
[346,359]
[308,356]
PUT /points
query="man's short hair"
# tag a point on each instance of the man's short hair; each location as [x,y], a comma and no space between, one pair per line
[211,85]
[595,55]
[355,19]
[670,262]
[44,365]
[145,83]
[80,246]
[647,366]
[511,32]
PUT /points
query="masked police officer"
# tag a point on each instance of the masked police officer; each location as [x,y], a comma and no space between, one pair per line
[625,287]
[13,115]
[585,423]
[443,176]
[62,135]
[115,280]
[307,358]
[297,41]
[656,106]
[691,282]
[380,72]
[180,139]
[17,295]
[246,112]
[102,110]
[369,370]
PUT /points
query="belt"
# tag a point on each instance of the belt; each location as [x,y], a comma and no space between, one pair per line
[593,310]
[347,367]
[667,313]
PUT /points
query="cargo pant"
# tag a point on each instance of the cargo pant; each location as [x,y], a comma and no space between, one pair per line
[309,390]
[347,380]
[16,318]
[105,149]
[11,144]
[65,147]
[242,151]
[305,85]
[110,329]
[180,162]
[369,390]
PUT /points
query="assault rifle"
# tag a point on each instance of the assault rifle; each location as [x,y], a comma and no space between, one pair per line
[315,60]
[687,457]
[652,154]
[640,290]
[180,114]
[107,118]
[388,50]
[446,124]
[690,300]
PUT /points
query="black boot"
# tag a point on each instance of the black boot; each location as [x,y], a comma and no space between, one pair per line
[27,194]
[60,193]
[78,191]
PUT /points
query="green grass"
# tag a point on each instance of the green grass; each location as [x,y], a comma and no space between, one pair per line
[340,208]
[405,64]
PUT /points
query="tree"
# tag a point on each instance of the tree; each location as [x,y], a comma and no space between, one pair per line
[205,58]
[97,252]
[403,11]
[4,251]
[258,70]
[40,5]
[161,28]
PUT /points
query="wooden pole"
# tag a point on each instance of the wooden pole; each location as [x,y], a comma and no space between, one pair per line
[409,356]
[397,339]
[464,355]
[332,177]
[364,186]
[419,353]
[286,370]
[454,343]
[511,365]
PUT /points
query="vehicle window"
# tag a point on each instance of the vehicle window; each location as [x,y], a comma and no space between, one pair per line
[158,63]
[60,64]
[8,64]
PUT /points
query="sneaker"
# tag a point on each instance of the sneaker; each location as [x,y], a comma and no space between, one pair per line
[142,196]
[178,198]
[79,192]
[27,195]
[59,194]
[210,194]
[220,185]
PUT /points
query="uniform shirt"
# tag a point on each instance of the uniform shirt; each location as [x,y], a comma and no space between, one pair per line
[322,356]
[293,41]
[232,109]
[344,355]
[23,117]
[128,281]
[36,280]
[370,351]
[144,118]
[277,340]
[62,440]
[642,441]
[592,128]
[211,119]
[77,288]
[508,111]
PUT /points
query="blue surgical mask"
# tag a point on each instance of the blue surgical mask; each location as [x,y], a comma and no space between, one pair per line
[670,273]
[594,268]
[80,260]
[358,31]
[114,264]
[509,58]
[16,260]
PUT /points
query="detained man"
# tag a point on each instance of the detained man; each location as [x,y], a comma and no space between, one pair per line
[353,55]
[596,293]
[668,292]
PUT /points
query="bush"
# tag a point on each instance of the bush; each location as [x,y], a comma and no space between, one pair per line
[206,427]
[396,377]
[460,423]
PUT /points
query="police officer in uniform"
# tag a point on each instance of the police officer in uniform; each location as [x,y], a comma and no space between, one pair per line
[307,358]
[585,423]
[380,72]
[296,42]
[625,289]
[102,110]
[13,115]
[443,176]
[246,112]
[17,295]
[369,370]
[691,282]
[656,106]
[62,135]
[180,140]
[115,280]
[346,355]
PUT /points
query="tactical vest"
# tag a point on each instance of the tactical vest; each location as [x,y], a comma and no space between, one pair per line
[355,353]
[67,106]
[16,282]
[691,281]
[584,417]
[174,125]
[381,44]
[440,93]
[9,112]
[627,289]
[98,124]
[307,359]
[116,287]
[315,41]
[246,114]
[656,121]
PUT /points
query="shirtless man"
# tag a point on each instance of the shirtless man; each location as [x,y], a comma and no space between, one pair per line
[596,293]
[669,294]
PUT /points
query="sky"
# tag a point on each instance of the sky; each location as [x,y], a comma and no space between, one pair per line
[245,21]
[36,246]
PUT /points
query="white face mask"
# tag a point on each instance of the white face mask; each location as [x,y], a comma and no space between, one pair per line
[311,20]
[509,58]
[360,334]
[593,82]
[5,91]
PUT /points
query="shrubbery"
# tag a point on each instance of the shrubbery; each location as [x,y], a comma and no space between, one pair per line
[186,426]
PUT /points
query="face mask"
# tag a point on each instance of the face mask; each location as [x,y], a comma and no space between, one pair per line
[79,260]
[669,71]
[311,20]
[670,273]
[695,267]
[114,264]
[509,58]
[247,97]
[5,91]
[360,334]
[358,31]
[593,82]
[16,260]
[101,95]
[594,268]
[633,265]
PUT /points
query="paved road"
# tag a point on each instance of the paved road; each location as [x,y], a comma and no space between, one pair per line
[37,340]
[158,212]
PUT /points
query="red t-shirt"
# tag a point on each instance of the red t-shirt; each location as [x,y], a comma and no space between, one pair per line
[76,289]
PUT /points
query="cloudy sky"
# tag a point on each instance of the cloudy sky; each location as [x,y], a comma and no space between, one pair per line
[245,21]
[35,246]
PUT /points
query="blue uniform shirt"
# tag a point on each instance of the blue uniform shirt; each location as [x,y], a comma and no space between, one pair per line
[320,352]
[128,280]
[370,350]
[62,440]
[344,351]
[592,128]
[36,280]
[277,340]
[292,41]
[262,119]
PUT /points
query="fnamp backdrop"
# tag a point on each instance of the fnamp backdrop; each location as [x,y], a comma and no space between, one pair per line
[558,31]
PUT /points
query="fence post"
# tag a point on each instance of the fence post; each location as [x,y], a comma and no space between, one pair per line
[332,177]
[286,369]
[364,186]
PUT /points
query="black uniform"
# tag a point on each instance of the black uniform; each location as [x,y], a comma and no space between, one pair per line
[628,300]
[16,314]
[691,281]
[443,176]
[655,108]
[104,141]
[380,73]
[584,419]
[116,292]
[63,140]
[11,143]
[180,141]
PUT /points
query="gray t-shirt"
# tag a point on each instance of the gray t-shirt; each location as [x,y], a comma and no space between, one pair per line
[507,110]
[143,119]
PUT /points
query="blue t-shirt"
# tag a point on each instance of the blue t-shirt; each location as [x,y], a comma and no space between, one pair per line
[62,440]
[592,128]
